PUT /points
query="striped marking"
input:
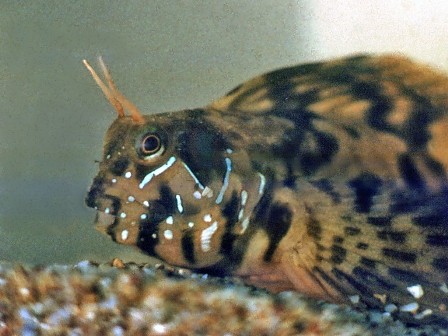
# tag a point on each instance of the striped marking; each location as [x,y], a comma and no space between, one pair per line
[157,172]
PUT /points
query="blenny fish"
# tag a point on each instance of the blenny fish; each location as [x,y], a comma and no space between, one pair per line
[327,178]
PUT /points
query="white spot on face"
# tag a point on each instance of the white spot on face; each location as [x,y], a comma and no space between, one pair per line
[207,192]
[262,183]
[143,216]
[208,218]
[190,224]
[169,220]
[193,176]
[410,307]
[197,195]
[245,224]
[124,234]
[123,215]
[241,214]
[416,291]
[114,180]
[157,172]
[131,199]
[180,207]
[107,210]
[206,236]
[225,182]
[154,235]
[146,203]
[243,197]
[128,174]
[168,234]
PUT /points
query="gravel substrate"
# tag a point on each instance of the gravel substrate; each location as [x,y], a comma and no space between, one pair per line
[128,299]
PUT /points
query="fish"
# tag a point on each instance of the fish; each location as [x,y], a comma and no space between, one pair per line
[327,178]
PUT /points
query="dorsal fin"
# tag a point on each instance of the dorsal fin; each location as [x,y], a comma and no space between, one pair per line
[115,97]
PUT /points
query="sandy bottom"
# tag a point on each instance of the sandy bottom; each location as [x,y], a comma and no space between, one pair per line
[130,299]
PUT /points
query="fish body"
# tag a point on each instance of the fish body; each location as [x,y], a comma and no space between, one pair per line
[327,178]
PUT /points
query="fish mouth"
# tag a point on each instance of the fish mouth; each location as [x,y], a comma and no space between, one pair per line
[103,221]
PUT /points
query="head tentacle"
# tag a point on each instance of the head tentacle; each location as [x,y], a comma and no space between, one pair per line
[113,95]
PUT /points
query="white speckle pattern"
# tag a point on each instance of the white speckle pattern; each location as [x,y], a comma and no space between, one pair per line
[197,195]
[146,203]
[169,220]
[206,236]
[180,207]
[225,182]
[229,151]
[241,214]
[157,172]
[143,216]
[108,156]
[154,235]
[168,234]
[410,307]
[416,291]
[444,288]
[262,183]
[207,192]
[107,210]
[131,199]
[190,224]
[193,175]
[114,180]
[208,218]
[243,197]
[123,215]
[128,175]
[124,234]
[245,224]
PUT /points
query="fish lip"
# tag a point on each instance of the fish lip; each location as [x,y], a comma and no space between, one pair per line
[104,221]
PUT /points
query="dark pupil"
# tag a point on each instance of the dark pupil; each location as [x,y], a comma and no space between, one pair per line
[151,144]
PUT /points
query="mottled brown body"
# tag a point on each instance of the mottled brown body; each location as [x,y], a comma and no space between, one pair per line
[328,178]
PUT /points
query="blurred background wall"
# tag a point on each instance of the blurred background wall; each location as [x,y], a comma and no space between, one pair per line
[164,55]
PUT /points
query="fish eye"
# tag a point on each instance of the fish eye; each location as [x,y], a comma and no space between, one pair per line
[151,146]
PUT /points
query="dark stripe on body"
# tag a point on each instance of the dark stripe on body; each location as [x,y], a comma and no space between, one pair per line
[405,276]
[392,236]
[230,213]
[188,246]
[406,257]
[146,242]
[441,264]
[277,225]
[437,240]
[409,172]
[366,187]
[372,279]
[167,200]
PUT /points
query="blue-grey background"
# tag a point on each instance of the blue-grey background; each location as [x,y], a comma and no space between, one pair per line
[164,55]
